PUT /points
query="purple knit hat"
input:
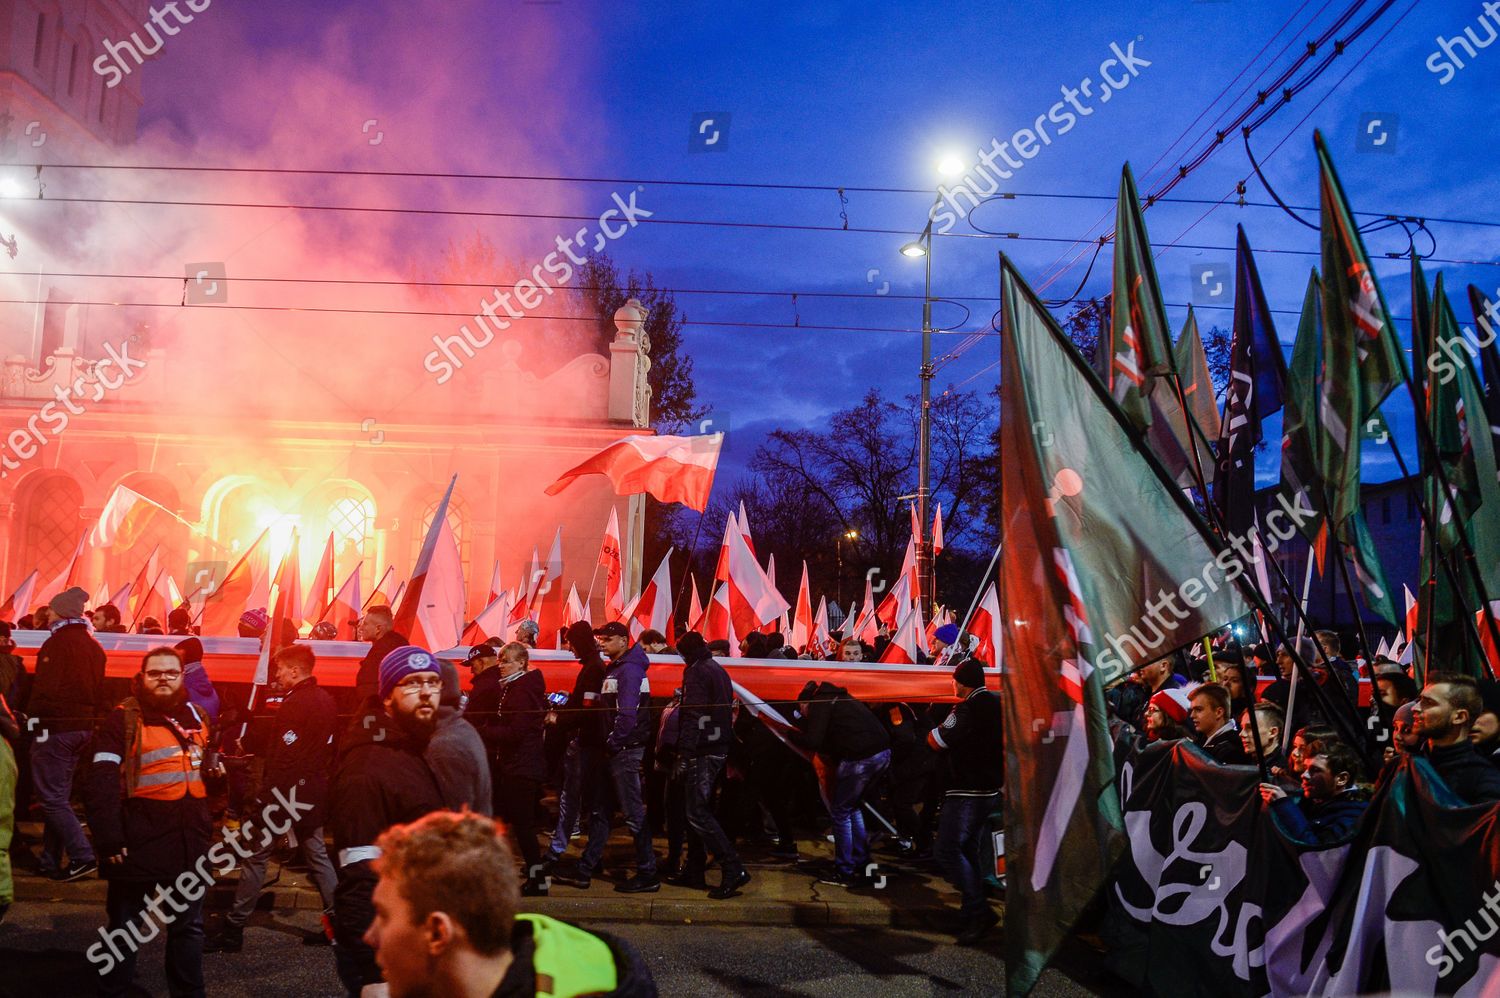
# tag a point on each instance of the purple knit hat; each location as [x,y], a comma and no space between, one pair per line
[408,660]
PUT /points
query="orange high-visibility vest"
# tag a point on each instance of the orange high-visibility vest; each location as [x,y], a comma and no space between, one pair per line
[158,766]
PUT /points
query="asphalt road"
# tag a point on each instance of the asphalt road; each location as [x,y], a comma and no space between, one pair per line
[41,947]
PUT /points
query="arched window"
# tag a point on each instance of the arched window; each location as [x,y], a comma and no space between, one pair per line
[50,526]
[457,522]
[351,517]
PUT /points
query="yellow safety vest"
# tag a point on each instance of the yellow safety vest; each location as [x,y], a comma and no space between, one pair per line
[569,961]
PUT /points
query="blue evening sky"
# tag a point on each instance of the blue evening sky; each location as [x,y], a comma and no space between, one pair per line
[843,94]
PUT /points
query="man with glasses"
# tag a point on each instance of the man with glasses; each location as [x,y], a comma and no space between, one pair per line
[382,781]
[148,808]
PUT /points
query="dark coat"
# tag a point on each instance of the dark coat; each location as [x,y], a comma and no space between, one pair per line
[706,720]
[973,742]
[67,691]
[1321,822]
[163,838]
[582,716]
[838,726]
[1466,772]
[367,680]
[1227,748]
[382,780]
[460,763]
[299,749]
[626,699]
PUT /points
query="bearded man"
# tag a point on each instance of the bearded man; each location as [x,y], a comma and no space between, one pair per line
[382,781]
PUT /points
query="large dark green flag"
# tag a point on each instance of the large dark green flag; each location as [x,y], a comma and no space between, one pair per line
[1449,421]
[1198,390]
[1300,477]
[1353,307]
[1096,547]
[1140,340]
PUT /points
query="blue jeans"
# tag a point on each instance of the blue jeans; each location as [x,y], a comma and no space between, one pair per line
[624,775]
[576,796]
[698,788]
[962,825]
[131,926]
[851,781]
[53,762]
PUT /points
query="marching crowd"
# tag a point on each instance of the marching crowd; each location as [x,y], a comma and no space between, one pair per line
[418,809]
[1320,751]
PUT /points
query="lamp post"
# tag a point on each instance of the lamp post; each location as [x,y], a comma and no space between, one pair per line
[922,247]
[838,554]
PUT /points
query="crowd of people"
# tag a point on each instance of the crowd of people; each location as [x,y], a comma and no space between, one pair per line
[406,778]
[1320,752]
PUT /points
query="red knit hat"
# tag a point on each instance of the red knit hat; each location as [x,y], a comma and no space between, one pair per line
[1173,703]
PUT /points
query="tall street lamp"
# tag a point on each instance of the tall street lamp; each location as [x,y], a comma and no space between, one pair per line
[922,247]
[838,554]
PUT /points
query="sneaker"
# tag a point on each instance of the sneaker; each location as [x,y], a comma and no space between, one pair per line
[978,929]
[730,885]
[229,939]
[836,879]
[639,884]
[76,871]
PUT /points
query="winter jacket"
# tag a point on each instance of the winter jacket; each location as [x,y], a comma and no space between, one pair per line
[299,749]
[460,763]
[200,689]
[67,692]
[836,725]
[1466,772]
[1227,748]
[367,680]
[626,699]
[1321,822]
[706,720]
[581,716]
[162,838]
[972,740]
[382,780]
[574,961]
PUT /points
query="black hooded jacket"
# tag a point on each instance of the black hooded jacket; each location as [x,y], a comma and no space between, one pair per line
[382,780]
[837,725]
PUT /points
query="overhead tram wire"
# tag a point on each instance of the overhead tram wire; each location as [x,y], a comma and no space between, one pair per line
[1220,133]
[1048,275]
[1285,97]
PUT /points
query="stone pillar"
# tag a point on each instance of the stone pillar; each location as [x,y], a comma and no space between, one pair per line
[629,362]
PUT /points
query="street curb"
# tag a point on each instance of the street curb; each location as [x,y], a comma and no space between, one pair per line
[674,909]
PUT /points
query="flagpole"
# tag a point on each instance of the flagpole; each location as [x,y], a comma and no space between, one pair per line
[979,590]
[1291,699]
[1352,735]
[1429,526]
[682,586]
[1359,620]
[142,606]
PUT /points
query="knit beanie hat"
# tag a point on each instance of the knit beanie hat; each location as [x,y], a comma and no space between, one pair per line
[947,634]
[970,673]
[69,602]
[1173,703]
[408,660]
